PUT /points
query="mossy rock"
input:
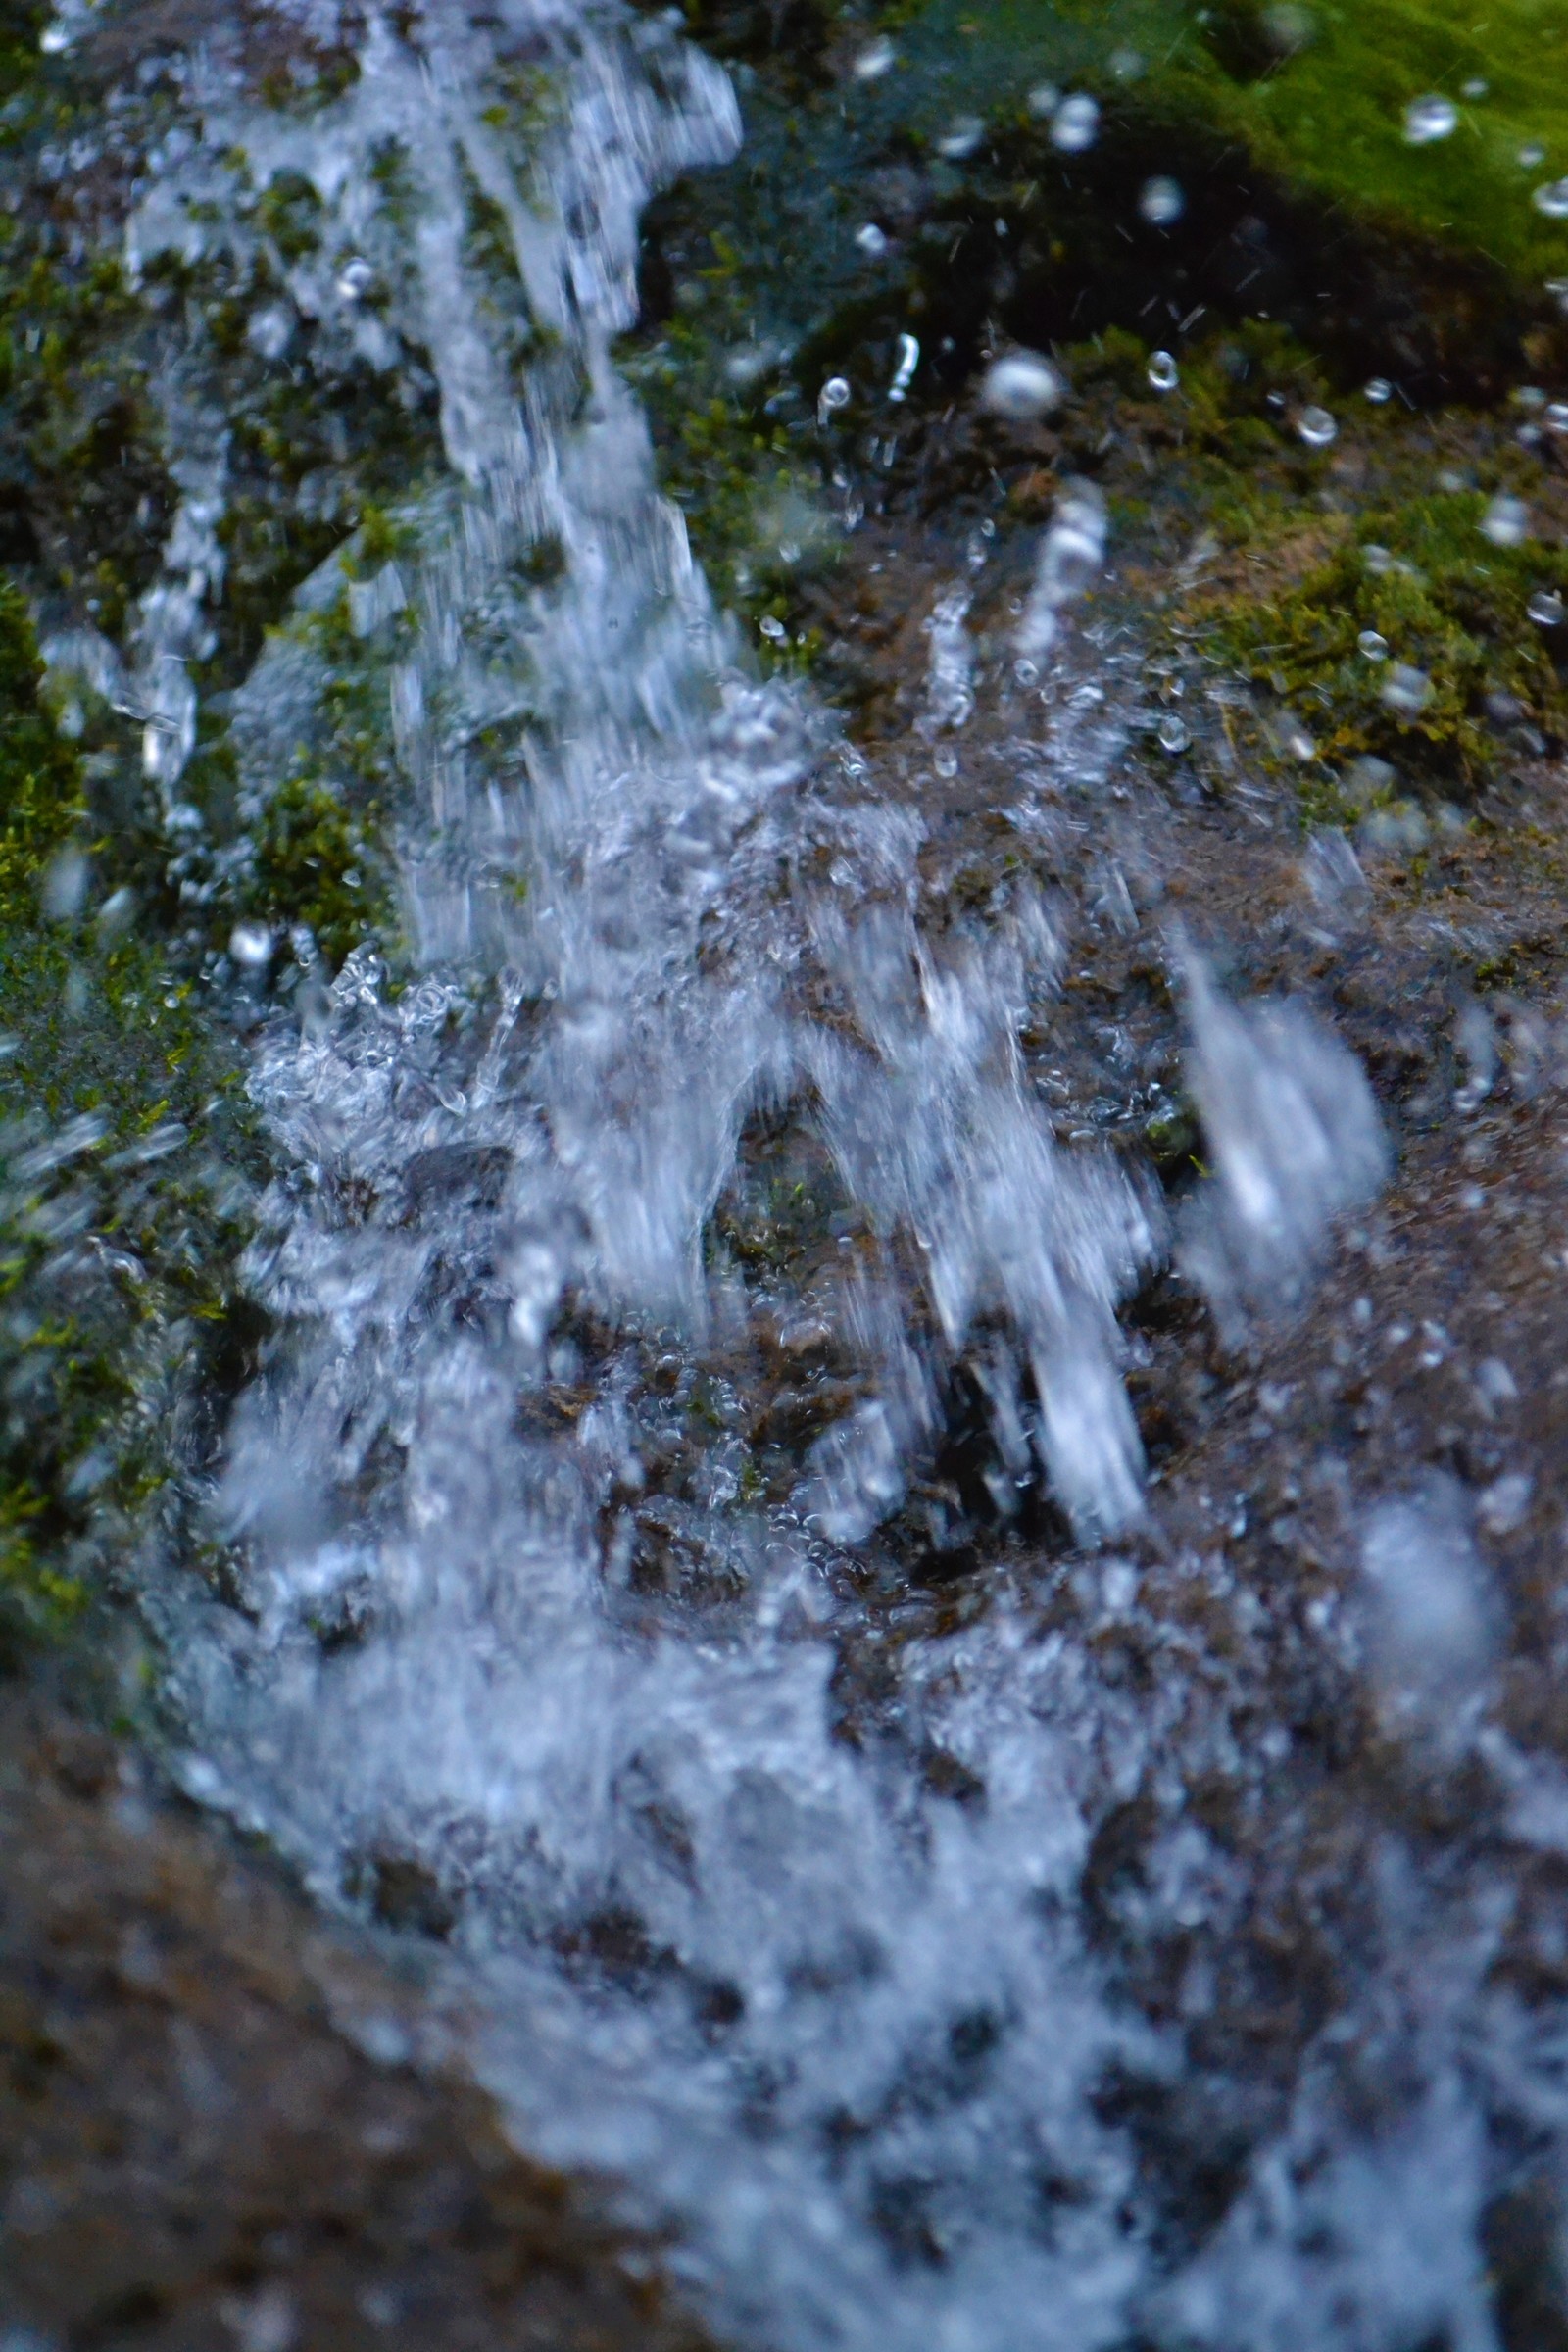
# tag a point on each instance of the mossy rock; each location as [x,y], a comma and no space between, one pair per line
[120,1216]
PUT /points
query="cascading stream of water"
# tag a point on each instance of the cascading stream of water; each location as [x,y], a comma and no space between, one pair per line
[849,2031]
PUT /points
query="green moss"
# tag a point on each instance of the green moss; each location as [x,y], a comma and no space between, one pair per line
[318,863]
[84,497]
[1331,112]
[1418,588]
[1313,575]
[119,1221]
[1317,92]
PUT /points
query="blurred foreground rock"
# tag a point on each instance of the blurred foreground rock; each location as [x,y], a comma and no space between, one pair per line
[213,2131]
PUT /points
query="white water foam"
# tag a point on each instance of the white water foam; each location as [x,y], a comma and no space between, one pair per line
[840,2017]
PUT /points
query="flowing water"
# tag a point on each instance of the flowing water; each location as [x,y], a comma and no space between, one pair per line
[765,1879]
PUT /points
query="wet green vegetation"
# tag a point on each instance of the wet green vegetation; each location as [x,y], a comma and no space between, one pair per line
[1390,601]
[121,1204]
[903,174]
[925,198]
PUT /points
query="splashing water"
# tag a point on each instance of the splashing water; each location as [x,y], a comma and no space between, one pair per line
[517,1631]
[1296,1140]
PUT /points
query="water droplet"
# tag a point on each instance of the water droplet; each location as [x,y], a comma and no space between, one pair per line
[1427,120]
[871,240]
[1532,155]
[1506,522]
[1316,427]
[1406,690]
[1373,646]
[1162,202]
[1021,385]
[269,329]
[834,395]
[1368,778]
[1475,88]
[962,138]
[908,361]
[875,60]
[1379,390]
[1546,609]
[65,887]
[1075,125]
[773,628]
[1552,198]
[1173,733]
[1290,27]
[1164,372]
[250,945]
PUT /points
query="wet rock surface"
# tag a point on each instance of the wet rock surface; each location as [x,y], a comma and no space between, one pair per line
[888,1465]
[224,2125]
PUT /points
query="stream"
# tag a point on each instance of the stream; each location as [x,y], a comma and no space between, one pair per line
[775,1878]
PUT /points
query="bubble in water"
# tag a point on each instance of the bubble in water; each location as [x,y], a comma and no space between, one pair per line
[271,329]
[65,887]
[908,361]
[963,137]
[1552,198]
[1474,89]
[1161,201]
[1126,65]
[1377,559]
[1164,372]
[1532,155]
[1021,385]
[1332,874]
[117,912]
[1173,733]
[1043,100]
[250,945]
[1075,125]
[1379,390]
[1070,555]
[875,60]
[1429,1614]
[1294,1139]
[1506,522]
[1316,427]
[1554,417]
[1546,609]
[1368,779]
[1406,690]
[1374,646]
[354,279]
[834,395]
[871,240]
[1427,120]
[1290,26]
